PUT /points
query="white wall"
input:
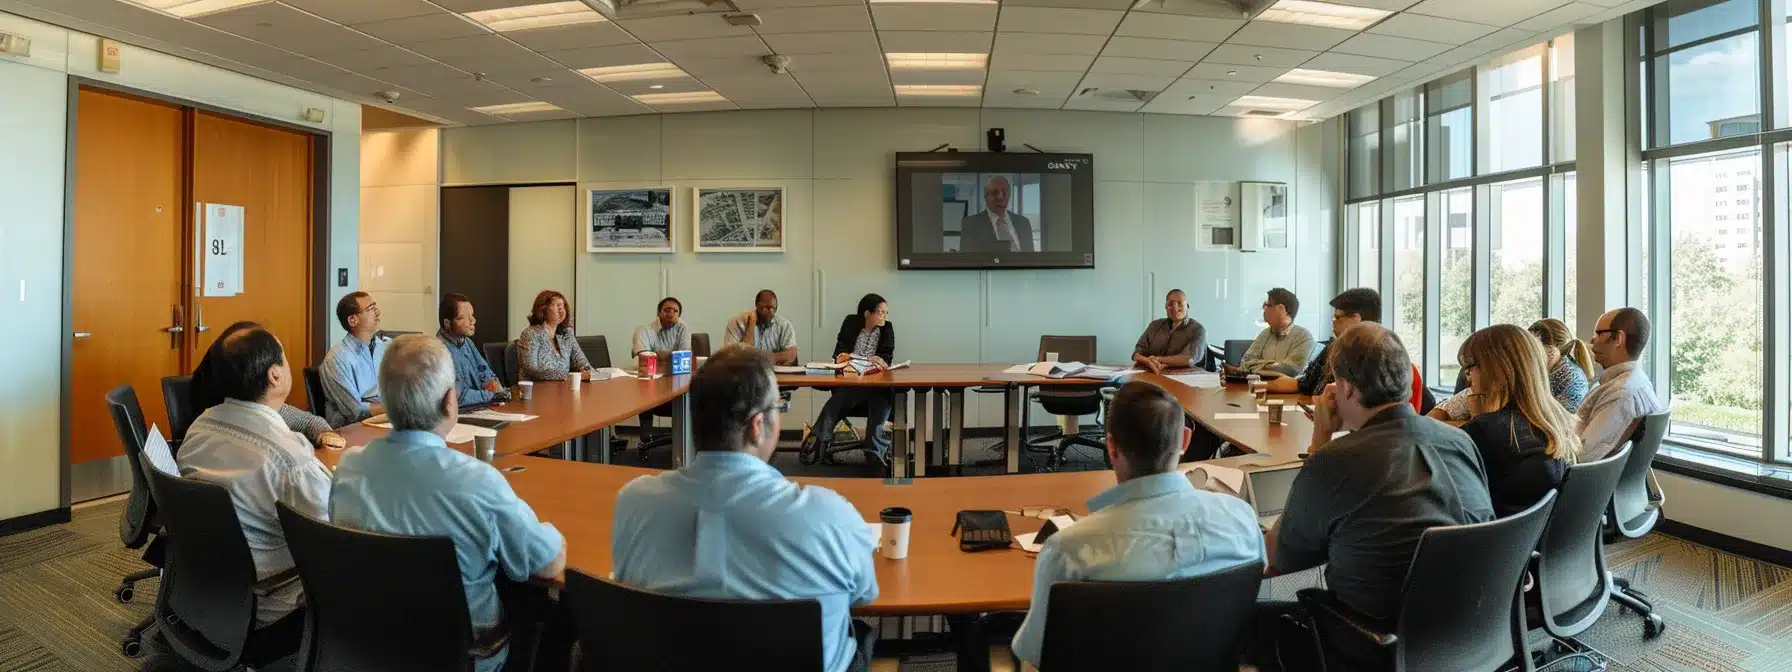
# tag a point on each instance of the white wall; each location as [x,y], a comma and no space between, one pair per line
[400,223]
[837,170]
[1733,511]
[32,154]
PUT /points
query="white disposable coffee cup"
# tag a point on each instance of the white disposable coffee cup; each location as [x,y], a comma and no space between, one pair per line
[894,544]
[525,389]
[577,377]
[1051,356]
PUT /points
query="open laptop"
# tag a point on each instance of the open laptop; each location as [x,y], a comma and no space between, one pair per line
[1267,489]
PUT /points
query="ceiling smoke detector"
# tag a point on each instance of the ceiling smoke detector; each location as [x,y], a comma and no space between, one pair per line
[742,19]
[779,63]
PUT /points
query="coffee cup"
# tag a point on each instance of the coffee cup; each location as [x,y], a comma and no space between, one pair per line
[1275,411]
[485,447]
[525,389]
[894,544]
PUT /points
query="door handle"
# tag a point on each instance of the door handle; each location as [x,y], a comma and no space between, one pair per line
[175,330]
[199,320]
[79,335]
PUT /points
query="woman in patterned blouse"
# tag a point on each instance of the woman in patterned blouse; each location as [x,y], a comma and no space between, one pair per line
[548,350]
[1570,363]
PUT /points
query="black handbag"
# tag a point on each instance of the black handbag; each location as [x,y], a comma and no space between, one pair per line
[982,531]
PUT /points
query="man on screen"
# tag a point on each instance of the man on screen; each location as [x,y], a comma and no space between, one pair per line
[996,229]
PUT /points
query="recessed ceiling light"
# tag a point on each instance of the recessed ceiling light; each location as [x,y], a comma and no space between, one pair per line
[686,98]
[516,108]
[927,61]
[933,2]
[190,8]
[508,19]
[938,89]
[1231,72]
[1339,80]
[1274,103]
[1323,14]
[635,72]
[657,86]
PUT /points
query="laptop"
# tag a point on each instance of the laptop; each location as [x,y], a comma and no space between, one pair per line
[1267,489]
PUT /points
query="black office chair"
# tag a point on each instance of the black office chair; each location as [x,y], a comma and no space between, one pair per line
[1068,401]
[625,628]
[1235,349]
[808,452]
[597,350]
[1573,584]
[1463,607]
[494,357]
[314,393]
[206,605]
[177,397]
[141,520]
[382,602]
[512,371]
[1154,618]
[1211,358]
[700,345]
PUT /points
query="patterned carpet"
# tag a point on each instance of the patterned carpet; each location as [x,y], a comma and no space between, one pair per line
[1725,613]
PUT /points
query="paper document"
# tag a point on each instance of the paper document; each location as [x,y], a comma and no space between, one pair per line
[1025,542]
[489,414]
[832,366]
[789,370]
[155,449]
[1232,480]
[1018,368]
[377,421]
[1235,416]
[1203,380]
[901,365]
[464,433]
[607,373]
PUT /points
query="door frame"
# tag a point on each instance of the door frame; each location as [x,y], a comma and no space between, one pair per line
[320,240]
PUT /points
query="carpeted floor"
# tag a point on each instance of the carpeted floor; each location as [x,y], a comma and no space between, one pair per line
[1725,613]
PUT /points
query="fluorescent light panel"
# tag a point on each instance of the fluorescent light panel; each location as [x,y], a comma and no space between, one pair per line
[928,61]
[187,9]
[1324,14]
[517,108]
[635,72]
[938,89]
[1274,103]
[686,98]
[1338,80]
[525,17]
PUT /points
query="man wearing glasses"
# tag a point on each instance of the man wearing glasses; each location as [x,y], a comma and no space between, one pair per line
[1352,307]
[350,371]
[1624,392]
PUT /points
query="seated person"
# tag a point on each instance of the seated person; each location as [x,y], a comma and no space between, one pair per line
[474,380]
[665,334]
[1527,440]
[762,328]
[866,335]
[1283,347]
[1570,362]
[547,348]
[1624,393]
[1152,526]
[1350,308]
[350,370]
[1174,342]
[208,390]
[410,482]
[1362,500]
[728,525]
[243,445]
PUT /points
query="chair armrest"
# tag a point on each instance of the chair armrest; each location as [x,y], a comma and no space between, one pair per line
[490,643]
[267,586]
[1322,605]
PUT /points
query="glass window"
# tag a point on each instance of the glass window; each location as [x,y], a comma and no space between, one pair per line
[1368,231]
[1456,307]
[1449,127]
[1715,374]
[1561,98]
[1511,104]
[1404,122]
[1571,237]
[1709,90]
[1408,305]
[1678,22]
[1517,255]
[1365,151]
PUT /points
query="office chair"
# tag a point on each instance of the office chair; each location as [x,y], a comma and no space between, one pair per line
[1085,618]
[314,393]
[206,605]
[626,628]
[381,601]
[809,453]
[1067,401]
[141,520]
[699,345]
[1463,605]
[512,371]
[1211,358]
[177,397]
[597,350]
[1573,584]
[1235,349]
[494,357]
[1635,508]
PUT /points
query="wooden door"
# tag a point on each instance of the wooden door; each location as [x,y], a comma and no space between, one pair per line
[128,256]
[268,171]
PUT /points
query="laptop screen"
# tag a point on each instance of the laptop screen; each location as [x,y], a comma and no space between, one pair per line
[1269,489]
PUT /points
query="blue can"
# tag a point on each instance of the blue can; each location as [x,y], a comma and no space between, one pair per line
[681,362]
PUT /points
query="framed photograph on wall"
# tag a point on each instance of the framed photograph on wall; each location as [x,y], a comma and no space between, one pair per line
[738,219]
[629,220]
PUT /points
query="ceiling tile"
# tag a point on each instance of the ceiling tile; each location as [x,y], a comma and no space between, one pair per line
[757,5]
[1352,63]
[1167,104]
[1101,105]
[1044,43]
[779,105]
[856,63]
[822,87]
[796,44]
[306,69]
[1173,27]
[1189,86]
[939,101]
[1234,73]
[1058,20]
[831,19]
[371,60]
[590,100]
[1500,41]
[1008,60]
[718,106]
[597,57]
[1390,5]
[1047,83]
[1422,27]
[356,86]
[1385,46]
[1300,91]
[885,100]
[362,11]
[935,42]
[1109,80]
[934,16]
[1500,13]
[475,93]
[282,26]
[425,75]
[717,47]
[688,27]
[736,66]
[526,81]
[1218,9]
[1145,47]
[997,99]
[764,88]
[1565,15]
[1238,54]
[642,87]
[464,6]
[1289,35]
[1119,5]
[482,53]
[422,28]
[1140,66]
[953,77]
[577,36]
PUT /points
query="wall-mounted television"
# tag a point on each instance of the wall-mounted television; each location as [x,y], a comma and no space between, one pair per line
[985,210]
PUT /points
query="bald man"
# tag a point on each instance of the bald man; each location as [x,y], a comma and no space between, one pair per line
[996,229]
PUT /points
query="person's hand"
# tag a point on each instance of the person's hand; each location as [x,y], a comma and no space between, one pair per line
[878,364]
[331,441]
[751,321]
[1325,416]
[1154,365]
[842,358]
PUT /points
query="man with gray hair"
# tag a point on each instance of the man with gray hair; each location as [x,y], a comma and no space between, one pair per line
[410,482]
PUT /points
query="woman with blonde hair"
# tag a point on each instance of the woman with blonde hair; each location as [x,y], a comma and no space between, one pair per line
[1570,362]
[1526,439]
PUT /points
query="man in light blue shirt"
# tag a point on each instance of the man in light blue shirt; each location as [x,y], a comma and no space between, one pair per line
[410,482]
[728,525]
[474,380]
[350,371]
[1153,526]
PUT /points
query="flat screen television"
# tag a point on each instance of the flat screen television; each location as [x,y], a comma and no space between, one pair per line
[985,210]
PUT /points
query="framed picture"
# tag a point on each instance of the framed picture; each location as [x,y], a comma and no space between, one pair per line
[629,220]
[739,219]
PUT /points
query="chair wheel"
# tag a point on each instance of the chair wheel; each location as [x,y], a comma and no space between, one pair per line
[1653,626]
[132,647]
[124,593]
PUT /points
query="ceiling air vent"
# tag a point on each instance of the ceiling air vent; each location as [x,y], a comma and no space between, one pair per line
[1117,95]
[1262,113]
[639,9]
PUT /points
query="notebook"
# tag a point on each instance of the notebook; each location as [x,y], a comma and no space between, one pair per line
[1268,491]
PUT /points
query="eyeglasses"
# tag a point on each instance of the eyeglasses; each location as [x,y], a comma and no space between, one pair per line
[1597,332]
[1040,512]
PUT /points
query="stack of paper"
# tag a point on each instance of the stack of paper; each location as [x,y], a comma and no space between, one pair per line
[489,414]
[789,370]
[609,372]
[464,433]
[1202,380]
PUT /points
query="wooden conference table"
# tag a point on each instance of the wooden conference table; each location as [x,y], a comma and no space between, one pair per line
[579,497]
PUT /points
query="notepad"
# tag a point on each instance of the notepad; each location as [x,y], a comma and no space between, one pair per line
[789,370]
[1204,380]
[489,414]
[1235,416]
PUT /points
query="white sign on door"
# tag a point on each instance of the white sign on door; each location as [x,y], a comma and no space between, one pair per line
[223,249]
